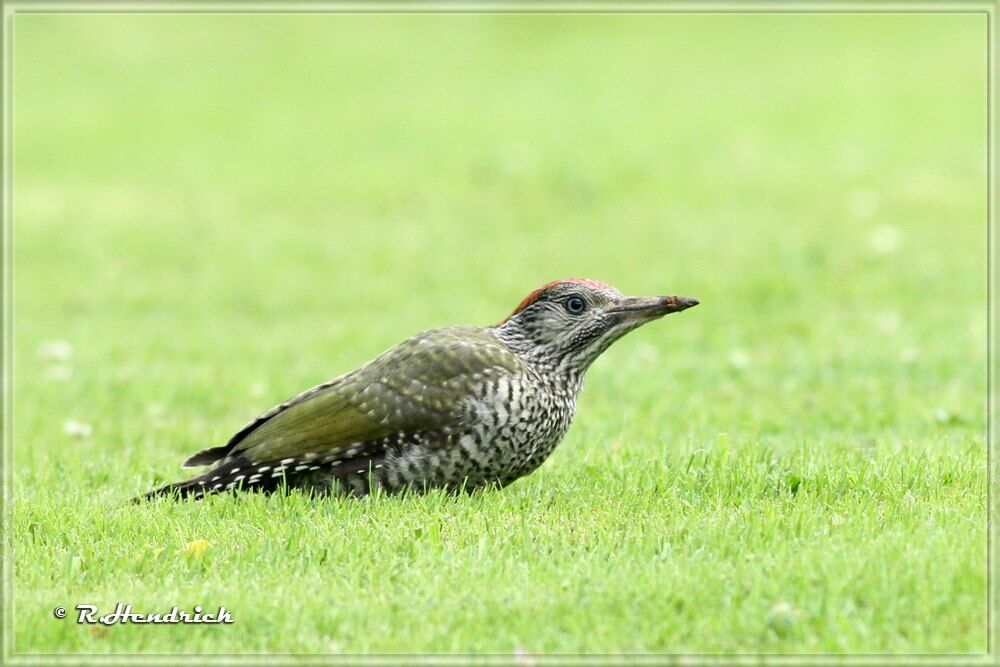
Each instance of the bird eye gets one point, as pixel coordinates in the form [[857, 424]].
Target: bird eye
[[575, 305]]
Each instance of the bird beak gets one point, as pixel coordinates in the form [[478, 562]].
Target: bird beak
[[651, 307]]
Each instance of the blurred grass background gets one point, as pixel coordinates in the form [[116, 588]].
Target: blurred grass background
[[213, 212]]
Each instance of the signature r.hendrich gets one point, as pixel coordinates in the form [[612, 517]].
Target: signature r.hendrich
[[123, 614]]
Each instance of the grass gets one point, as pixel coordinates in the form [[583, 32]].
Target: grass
[[215, 212]]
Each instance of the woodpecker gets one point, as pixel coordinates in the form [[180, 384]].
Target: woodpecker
[[458, 408]]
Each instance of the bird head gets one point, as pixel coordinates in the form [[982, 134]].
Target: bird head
[[567, 324]]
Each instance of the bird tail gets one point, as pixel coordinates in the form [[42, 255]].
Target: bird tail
[[238, 472], [208, 456], [184, 489], [229, 475]]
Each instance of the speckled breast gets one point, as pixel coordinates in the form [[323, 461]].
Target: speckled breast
[[514, 423]]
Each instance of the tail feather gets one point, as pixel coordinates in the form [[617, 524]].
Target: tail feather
[[207, 456], [235, 473], [184, 489], [229, 475]]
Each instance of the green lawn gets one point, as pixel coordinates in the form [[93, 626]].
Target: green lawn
[[213, 213]]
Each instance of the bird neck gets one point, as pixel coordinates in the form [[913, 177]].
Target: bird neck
[[554, 367]]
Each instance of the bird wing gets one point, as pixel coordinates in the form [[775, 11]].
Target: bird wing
[[421, 385]]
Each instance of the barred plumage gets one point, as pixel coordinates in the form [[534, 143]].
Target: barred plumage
[[456, 408]]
